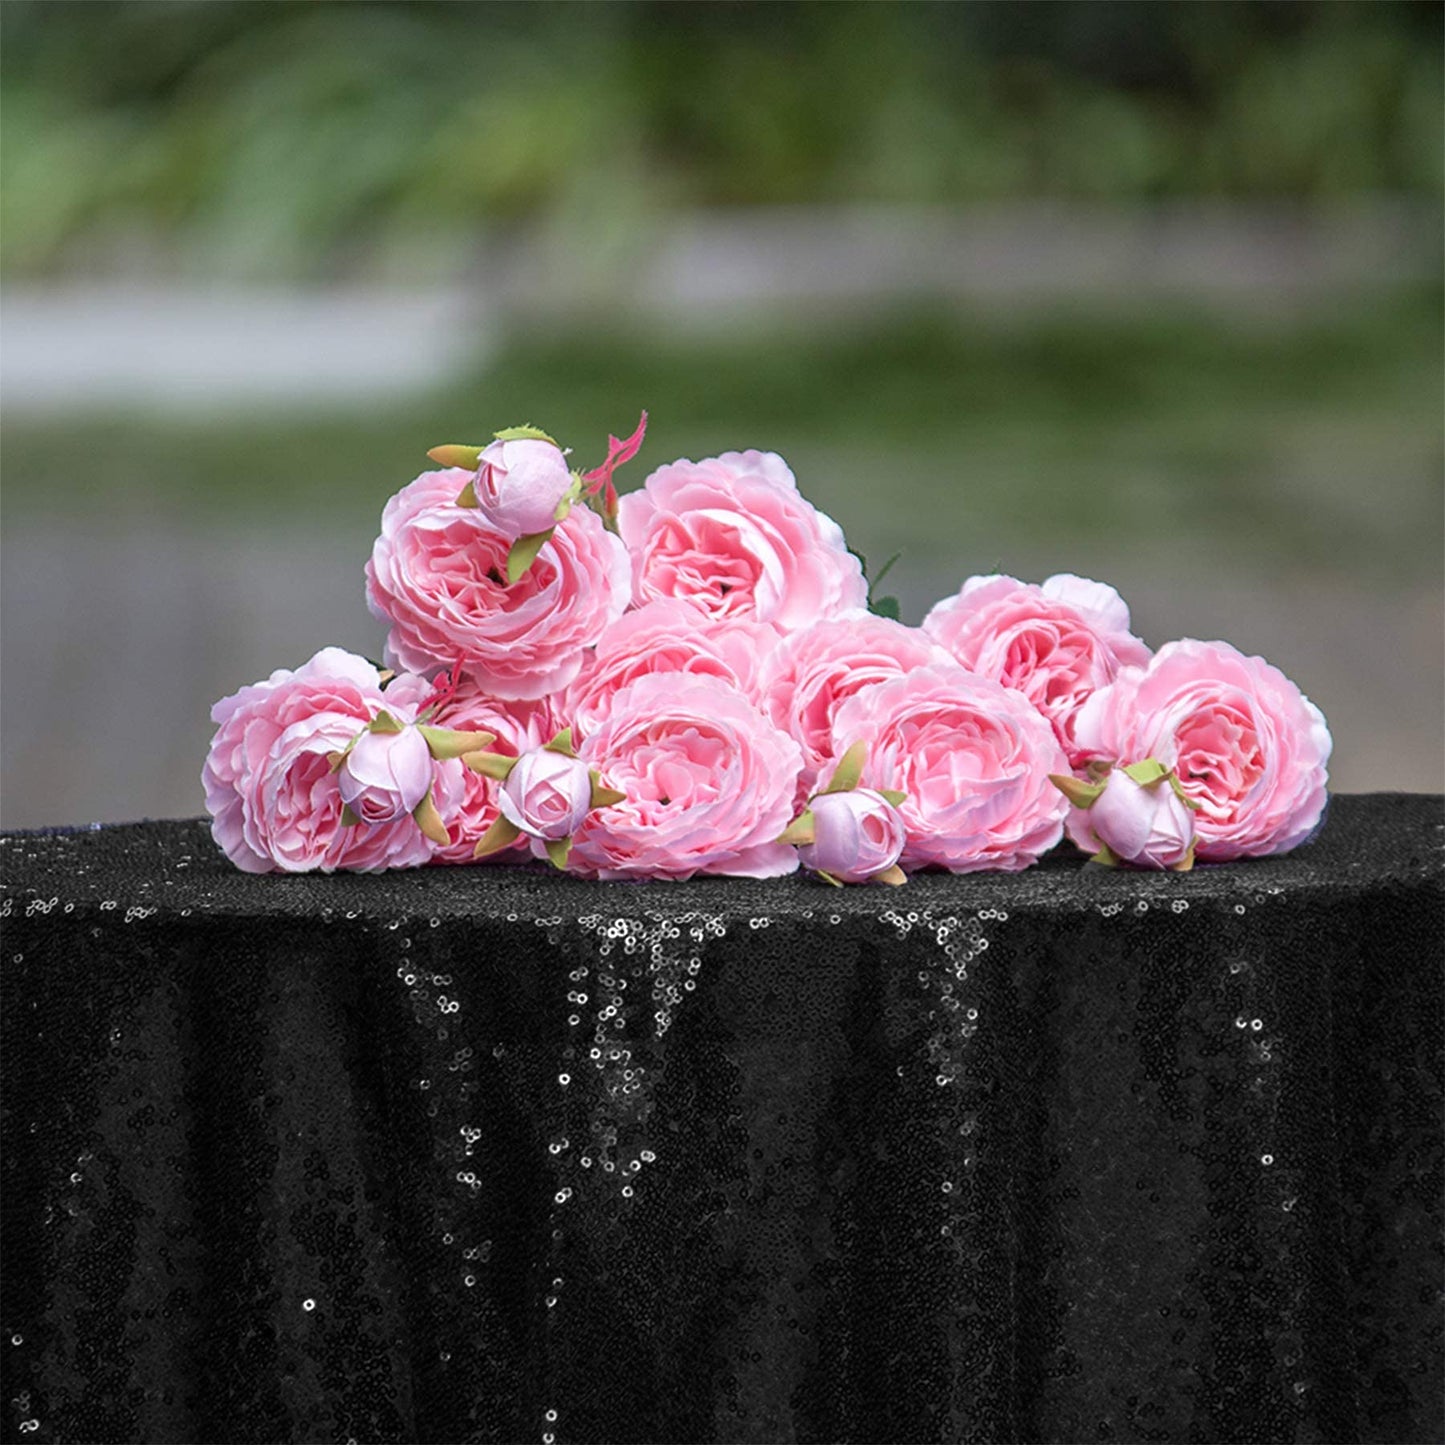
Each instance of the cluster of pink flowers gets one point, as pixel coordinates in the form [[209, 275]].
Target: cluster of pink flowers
[[687, 679]]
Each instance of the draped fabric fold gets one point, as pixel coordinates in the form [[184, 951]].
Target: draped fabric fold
[[499, 1155]]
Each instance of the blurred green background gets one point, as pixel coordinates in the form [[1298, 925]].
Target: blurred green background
[[1146, 291]]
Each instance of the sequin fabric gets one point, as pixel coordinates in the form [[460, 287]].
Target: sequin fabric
[[497, 1155]]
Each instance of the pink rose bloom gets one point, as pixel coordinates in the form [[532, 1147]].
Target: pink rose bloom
[[709, 784], [855, 835], [733, 535], [516, 728], [815, 671], [547, 794], [1057, 643], [437, 575], [1150, 826], [665, 636], [386, 775], [274, 801], [519, 484], [974, 759], [1246, 745]]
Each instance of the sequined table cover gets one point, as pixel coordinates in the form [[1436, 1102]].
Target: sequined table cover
[[497, 1155]]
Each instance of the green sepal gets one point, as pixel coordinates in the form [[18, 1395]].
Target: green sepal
[[457, 456], [557, 851], [349, 818], [1146, 772], [1076, 790], [892, 876], [1105, 856], [527, 433], [800, 830], [446, 743], [886, 607], [893, 796], [602, 795], [383, 722], [849, 770], [467, 497], [502, 834], [1186, 862], [336, 759], [561, 743], [563, 509], [1182, 795], [490, 765], [828, 878], [430, 821], [524, 552]]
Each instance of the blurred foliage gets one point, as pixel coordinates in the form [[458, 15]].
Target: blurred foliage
[[1316, 443], [290, 138]]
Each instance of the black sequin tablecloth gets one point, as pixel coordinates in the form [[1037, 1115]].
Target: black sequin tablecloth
[[497, 1155]]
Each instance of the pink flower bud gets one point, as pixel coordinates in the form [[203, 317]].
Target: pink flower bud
[[547, 794], [855, 835], [1148, 825], [519, 484], [386, 775]]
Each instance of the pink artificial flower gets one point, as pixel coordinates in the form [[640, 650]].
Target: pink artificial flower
[[385, 775], [733, 534], [813, 672], [1246, 745], [1146, 824], [437, 575], [1057, 643], [275, 801], [547, 794], [516, 727], [519, 484], [664, 636], [856, 835], [709, 784], [974, 759]]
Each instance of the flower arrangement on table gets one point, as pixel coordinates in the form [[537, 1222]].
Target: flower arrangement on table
[[688, 679]]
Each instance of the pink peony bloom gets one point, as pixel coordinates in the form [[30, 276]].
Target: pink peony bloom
[[547, 794], [517, 727], [437, 576], [974, 759], [1148, 825], [1057, 643], [733, 535], [856, 835], [519, 484], [1246, 745], [274, 800], [386, 775], [812, 673], [709, 785], [665, 636]]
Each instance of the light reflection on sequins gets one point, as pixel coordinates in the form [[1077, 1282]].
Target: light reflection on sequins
[[961, 941]]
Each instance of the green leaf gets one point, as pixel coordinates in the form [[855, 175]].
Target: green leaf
[[522, 434], [557, 850], [886, 607], [1076, 790], [456, 456], [383, 722], [449, 743], [524, 553], [430, 821], [884, 571], [500, 835], [849, 770], [561, 742], [1147, 771]]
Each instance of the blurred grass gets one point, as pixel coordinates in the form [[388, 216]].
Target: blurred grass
[[1312, 444]]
